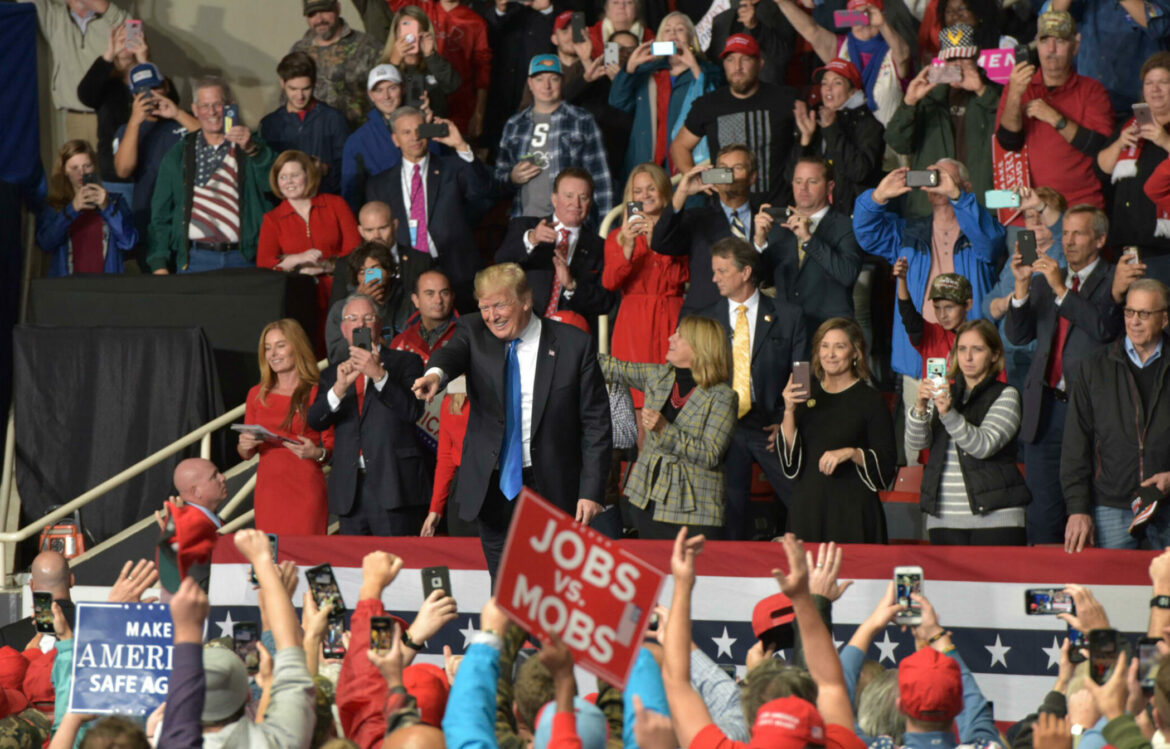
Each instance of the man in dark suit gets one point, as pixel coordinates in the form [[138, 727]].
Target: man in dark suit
[[379, 484], [766, 337], [683, 230], [541, 414], [562, 259], [1069, 315], [812, 256], [431, 196]]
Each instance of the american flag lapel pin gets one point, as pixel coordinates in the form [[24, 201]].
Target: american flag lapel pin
[[552, 352], [767, 318]]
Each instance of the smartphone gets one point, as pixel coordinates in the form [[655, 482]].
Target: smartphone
[[1141, 113], [1028, 53], [719, 175], [325, 590], [802, 376], [1047, 602], [531, 158], [434, 130], [613, 53], [90, 178], [922, 178], [936, 371], [1148, 662], [373, 275], [436, 578], [381, 633], [245, 636], [1131, 255], [944, 74], [778, 212], [272, 542], [1104, 646], [1001, 199], [412, 96], [634, 206], [133, 33], [231, 116], [907, 581], [1076, 642], [43, 611], [577, 23], [334, 645], [843, 18], [363, 339], [1026, 246], [663, 49]]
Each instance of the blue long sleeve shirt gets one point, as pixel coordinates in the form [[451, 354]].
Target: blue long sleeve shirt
[[470, 719], [646, 682]]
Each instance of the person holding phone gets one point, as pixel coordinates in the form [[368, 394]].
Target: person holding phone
[[412, 48], [82, 227], [290, 496], [836, 441], [972, 490], [1140, 213]]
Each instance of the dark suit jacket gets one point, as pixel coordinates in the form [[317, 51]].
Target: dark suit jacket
[[571, 438], [590, 298], [383, 432], [452, 184], [823, 287], [1094, 321], [777, 341], [692, 232]]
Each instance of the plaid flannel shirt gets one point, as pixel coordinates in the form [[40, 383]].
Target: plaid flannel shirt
[[580, 145]]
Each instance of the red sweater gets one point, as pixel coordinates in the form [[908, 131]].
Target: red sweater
[[361, 690], [332, 229], [452, 430]]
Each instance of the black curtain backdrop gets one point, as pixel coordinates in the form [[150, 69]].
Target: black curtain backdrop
[[91, 402]]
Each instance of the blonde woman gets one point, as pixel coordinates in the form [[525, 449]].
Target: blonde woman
[[290, 496], [689, 416], [411, 47]]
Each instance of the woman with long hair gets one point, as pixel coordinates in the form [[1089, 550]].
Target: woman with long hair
[[290, 496], [689, 415], [972, 490], [84, 228], [836, 441], [411, 47]]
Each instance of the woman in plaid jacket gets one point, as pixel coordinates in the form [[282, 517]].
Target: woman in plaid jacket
[[689, 415]]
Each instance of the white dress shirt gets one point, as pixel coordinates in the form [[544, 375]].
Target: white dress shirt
[[1083, 274], [574, 235], [335, 402]]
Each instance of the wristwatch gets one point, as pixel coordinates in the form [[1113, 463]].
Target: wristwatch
[[1160, 602], [1061, 124]]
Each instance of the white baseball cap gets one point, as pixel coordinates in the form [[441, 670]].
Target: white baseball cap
[[381, 73]]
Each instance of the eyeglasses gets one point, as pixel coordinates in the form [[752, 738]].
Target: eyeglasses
[[497, 307], [364, 318], [1142, 314]]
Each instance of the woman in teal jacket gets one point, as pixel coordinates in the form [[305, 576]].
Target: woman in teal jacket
[[645, 80]]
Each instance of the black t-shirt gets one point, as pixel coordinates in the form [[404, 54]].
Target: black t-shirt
[[763, 122]]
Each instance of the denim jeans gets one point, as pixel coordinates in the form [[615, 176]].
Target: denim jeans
[[201, 261], [1112, 528]]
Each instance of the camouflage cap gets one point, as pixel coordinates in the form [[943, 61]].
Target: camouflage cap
[[1057, 23], [28, 729], [951, 287]]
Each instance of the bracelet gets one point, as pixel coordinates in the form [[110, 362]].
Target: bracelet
[[409, 642], [939, 636], [323, 456]]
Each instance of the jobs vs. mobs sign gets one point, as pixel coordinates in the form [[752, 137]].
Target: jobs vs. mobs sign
[[122, 656], [562, 577]]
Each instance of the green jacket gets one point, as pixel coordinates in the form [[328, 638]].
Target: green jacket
[[174, 191], [924, 133]]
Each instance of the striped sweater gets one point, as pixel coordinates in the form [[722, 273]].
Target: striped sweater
[[998, 427]]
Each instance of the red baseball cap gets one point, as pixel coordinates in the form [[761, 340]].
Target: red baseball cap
[[787, 723], [13, 666], [570, 318], [843, 68], [744, 44], [563, 20], [930, 686], [773, 611], [859, 4], [427, 683], [38, 682]]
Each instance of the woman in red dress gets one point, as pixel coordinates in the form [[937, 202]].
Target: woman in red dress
[[652, 285], [290, 496]]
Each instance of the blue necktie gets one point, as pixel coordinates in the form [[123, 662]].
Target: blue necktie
[[511, 454]]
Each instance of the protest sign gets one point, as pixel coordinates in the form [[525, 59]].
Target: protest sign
[[121, 658], [562, 577]]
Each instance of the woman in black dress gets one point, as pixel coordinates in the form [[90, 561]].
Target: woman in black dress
[[837, 442]]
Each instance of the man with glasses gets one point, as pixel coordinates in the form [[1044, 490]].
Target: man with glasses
[[209, 198], [379, 485], [541, 416], [1069, 313], [1115, 466]]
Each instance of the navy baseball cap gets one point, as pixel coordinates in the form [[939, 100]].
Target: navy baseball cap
[[144, 77]]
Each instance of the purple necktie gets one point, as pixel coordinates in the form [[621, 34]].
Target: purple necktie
[[418, 211]]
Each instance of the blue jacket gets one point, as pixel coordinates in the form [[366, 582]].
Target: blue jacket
[[369, 151], [978, 248], [53, 234], [631, 93], [646, 682], [470, 719], [322, 135]]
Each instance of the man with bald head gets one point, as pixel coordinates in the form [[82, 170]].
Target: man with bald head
[[418, 736], [190, 526]]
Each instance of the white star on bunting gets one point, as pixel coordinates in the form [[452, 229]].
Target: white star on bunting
[[998, 652], [724, 643]]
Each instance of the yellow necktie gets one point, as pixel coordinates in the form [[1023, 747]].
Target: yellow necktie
[[741, 378]]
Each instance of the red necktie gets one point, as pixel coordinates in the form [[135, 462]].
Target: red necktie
[[562, 251], [1059, 338], [360, 384]]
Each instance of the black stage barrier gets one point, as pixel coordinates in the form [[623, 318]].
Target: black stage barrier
[[90, 402], [232, 307]]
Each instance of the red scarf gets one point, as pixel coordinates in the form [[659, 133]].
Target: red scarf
[[87, 242], [1126, 167]]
